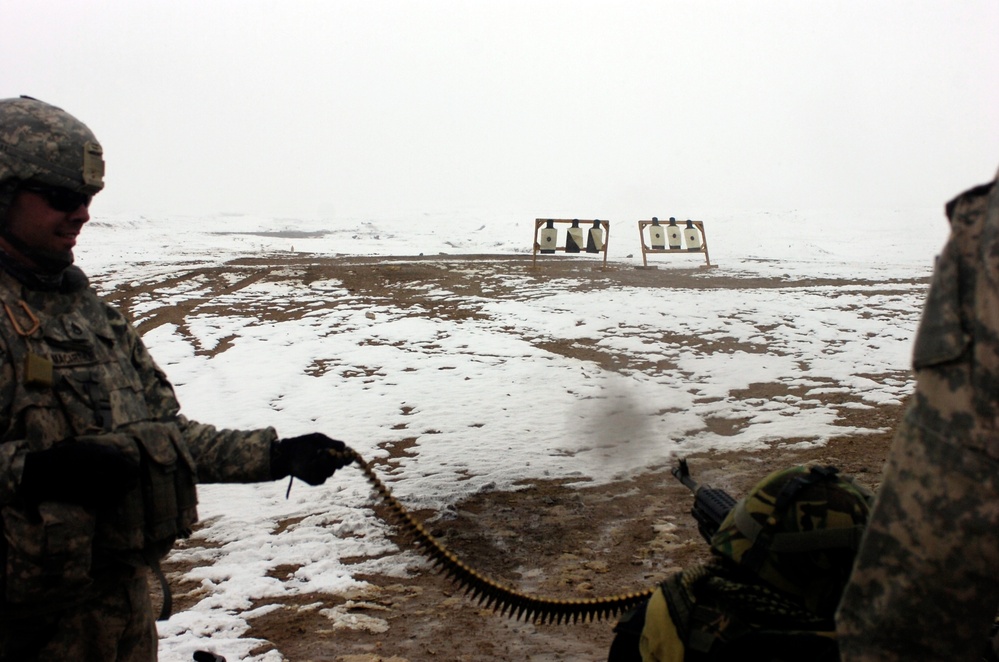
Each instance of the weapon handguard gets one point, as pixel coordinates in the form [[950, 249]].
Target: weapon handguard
[[492, 595], [711, 504]]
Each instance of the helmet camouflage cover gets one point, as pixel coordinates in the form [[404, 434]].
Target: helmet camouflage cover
[[798, 530], [46, 144]]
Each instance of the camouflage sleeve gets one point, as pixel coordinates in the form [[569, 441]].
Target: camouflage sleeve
[[229, 456], [222, 456], [11, 452]]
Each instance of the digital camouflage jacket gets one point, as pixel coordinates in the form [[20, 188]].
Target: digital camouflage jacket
[[72, 367], [924, 586], [956, 353]]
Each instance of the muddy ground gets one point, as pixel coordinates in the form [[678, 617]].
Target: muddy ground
[[549, 538]]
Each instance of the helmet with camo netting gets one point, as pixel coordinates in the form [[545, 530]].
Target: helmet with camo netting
[[798, 530], [45, 144]]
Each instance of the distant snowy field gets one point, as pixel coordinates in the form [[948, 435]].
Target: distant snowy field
[[864, 244], [501, 409]]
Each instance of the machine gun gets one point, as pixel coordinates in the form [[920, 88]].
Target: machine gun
[[711, 504]]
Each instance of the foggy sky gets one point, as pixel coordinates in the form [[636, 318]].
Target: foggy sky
[[616, 110]]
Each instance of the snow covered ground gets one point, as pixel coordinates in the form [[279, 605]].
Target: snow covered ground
[[502, 410]]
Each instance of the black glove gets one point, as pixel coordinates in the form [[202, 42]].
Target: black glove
[[78, 472], [312, 457], [207, 656]]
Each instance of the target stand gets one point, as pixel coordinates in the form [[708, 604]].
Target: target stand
[[582, 236], [672, 237]]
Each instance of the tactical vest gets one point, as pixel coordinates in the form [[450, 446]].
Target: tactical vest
[[722, 615], [75, 381]]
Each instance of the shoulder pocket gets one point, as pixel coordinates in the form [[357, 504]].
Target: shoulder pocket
[[942, 336]]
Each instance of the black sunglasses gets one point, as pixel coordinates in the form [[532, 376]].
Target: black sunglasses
[[59, 198]]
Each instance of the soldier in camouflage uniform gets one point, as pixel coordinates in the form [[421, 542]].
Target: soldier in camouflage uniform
[[781, 559], [97, 466], [926, 585]]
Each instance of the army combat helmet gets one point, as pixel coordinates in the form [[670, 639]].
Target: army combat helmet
[[798, 530], [46, 145]]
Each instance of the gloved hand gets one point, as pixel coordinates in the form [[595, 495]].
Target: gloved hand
[[207, 656], [308, 457], [78, 472]]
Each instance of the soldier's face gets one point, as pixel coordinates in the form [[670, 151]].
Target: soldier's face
[[42, 228]]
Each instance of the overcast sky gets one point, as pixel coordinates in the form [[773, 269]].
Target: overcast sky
[[617, 110]]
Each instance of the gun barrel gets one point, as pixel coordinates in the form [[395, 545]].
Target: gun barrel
[[682, 473], [711, 505]]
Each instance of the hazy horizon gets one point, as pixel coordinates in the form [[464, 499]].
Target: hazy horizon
[[541, 108]]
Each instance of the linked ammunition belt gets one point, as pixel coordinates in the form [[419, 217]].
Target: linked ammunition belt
[[486, 592]]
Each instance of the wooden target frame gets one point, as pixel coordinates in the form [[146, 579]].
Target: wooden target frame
[[584, 224], [683, 250]]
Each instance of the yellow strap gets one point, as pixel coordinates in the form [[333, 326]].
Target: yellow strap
[[660, 641]]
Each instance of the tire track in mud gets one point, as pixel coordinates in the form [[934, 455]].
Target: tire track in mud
[[127, 297]]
